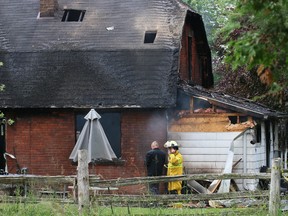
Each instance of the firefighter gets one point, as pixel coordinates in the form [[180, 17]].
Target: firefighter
[[175, 166]]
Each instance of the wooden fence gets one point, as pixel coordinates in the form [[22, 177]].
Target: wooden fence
[[81, 184]]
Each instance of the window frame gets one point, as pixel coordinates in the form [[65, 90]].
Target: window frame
[[116, 145], [67, 14]]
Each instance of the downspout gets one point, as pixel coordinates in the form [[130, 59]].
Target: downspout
[[276, 141], [263, 142], [253, 141], [271, 144], [286, 150], [245, 158], [285, 156], [245, 141]]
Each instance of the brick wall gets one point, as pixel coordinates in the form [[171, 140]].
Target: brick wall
[[43, 140], [138, 129]]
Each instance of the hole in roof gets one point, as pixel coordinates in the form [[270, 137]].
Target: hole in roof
[[150, 36], [71, 15]]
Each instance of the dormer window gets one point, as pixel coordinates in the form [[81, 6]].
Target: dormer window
[[150, 36], [71, 15]]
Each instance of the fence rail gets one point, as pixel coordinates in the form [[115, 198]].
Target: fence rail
[[94, 181], [146, 180]]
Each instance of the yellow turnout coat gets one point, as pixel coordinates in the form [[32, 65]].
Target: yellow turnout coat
[[175, 167]]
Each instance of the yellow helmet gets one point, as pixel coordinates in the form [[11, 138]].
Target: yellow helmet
[[171, 143]]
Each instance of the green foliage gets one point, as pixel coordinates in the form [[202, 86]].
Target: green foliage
[[2, 117], [243, 35], [257, 34], [214, 13], [2, 87]]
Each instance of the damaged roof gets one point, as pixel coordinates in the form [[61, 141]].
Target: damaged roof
[[101, 61], [237, 104]]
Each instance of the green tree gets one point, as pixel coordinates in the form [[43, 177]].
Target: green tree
[[248, 38], [257, 34], [256, 38], [2, 116], [214, 13]]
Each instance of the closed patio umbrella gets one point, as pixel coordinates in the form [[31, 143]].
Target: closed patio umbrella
[[93, 138]]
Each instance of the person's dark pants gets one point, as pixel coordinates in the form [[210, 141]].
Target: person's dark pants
[[173, 192], [154, 188]]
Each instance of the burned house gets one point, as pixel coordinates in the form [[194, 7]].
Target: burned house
[[215, 129], [122, 58]]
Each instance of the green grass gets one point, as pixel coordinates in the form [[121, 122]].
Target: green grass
[[55, 209]]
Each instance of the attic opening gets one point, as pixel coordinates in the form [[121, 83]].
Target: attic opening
[[150, 36], [71, 15]]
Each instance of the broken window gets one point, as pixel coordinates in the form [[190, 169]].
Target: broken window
[[150, 36], [71, 15], [237, 119], [233, 119]]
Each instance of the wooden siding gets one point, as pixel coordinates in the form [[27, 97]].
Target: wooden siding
[[215, 122]]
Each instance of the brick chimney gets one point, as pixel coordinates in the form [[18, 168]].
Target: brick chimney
[[48, 7]]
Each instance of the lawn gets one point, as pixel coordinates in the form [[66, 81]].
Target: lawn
[[52, 208]]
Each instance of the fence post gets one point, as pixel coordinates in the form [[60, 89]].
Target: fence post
[[83, 181], [274, 199]]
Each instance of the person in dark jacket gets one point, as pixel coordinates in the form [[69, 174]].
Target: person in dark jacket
[[155, 161]]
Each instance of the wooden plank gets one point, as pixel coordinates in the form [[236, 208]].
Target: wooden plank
[[103, 188], [213, 186], [225, 184], [96, 190], [194, 185], [144, 180], [21, 179], [54, 193], [180, 197]]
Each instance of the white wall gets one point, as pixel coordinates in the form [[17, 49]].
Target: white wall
[[206, 152]]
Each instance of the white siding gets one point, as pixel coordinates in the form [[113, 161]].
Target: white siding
[[206, 152]]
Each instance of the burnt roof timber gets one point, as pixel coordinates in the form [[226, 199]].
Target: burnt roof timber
[[234, 103]]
